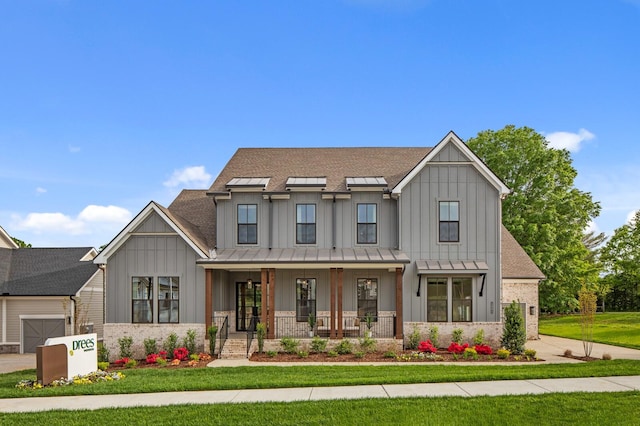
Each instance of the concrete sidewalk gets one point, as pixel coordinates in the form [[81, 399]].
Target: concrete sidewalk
[[461, 389]]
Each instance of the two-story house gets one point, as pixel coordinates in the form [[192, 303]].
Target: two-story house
[[399, 238]]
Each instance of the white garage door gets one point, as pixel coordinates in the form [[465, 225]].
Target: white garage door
[[36, 331]]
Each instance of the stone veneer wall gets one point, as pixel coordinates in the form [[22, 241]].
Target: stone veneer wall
[[492, 331], [139, 332], [524, 291]]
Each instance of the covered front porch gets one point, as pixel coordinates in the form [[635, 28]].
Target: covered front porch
[[327, 293]]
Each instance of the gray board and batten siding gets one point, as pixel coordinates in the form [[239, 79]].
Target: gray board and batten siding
[[154, 249], [277, 220], [455, 179]]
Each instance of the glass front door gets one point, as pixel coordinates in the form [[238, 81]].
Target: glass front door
[[248, 304]]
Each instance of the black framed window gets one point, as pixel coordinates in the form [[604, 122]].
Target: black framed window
[[367, 224], [436, 299], [247, 224], [449, 220], [461, 299], [142, 299], [368, 298], [168, 299], [305, 298], [305, 223]]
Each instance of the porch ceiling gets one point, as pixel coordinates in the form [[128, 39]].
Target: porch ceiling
[[293, 258], [451, 266]]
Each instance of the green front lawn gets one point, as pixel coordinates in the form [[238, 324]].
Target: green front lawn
[[620, 408], [261, 377], [613, 328]]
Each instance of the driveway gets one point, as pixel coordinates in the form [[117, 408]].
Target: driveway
[[16, 362], [552, 348]]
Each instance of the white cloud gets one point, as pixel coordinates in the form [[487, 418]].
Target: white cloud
[[105, 214], [91, 220], [568, 140], [631, 217], [592, 227], [74, 149], [194, 177], [40, 190]]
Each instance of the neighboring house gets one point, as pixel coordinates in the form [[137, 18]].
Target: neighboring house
[[409, 237], [47, 292]]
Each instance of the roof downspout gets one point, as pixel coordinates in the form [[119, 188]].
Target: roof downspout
[[334, 215], [72, 317], [270, 222], [398, 213]]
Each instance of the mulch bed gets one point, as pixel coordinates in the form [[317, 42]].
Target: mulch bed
[[404, 356]]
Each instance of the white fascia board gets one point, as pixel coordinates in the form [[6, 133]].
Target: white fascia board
[[7, 238], [451, 137]]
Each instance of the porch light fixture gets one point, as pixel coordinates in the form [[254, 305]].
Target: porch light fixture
[[249, 283], [304, 283], [368, 282]]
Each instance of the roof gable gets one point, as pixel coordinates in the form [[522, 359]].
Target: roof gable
[[6, 241], [187, 231], [442, 152]]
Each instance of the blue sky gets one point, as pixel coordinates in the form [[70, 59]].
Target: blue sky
[[107, 105]]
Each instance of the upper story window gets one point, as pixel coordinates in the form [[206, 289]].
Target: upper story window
[[367, 224], [247, 224], [305, 223], [449, 221]]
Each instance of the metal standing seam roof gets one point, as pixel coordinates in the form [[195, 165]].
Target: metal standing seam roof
[[307, 256], [451, 266]]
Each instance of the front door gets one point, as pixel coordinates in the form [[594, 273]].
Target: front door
[[248, 304]]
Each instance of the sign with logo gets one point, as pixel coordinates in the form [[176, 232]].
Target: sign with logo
[[82, 352]]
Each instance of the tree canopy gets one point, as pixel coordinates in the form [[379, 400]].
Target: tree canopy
[[545, 212], [621, 260], [21, 243]]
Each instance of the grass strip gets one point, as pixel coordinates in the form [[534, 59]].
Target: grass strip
[[264, 377], [619, 408], [612, 328]]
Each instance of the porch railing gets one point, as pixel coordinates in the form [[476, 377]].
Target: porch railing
[[352, 326], [223, 331], [251, 332]]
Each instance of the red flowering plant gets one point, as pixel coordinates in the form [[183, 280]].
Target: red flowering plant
[[163, 354], [427, 346], [457, 348], [483, 349], [152, 358], [121, 361], [181, 354]]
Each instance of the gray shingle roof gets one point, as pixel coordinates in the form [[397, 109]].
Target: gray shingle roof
[[516, 263], [45, 271], [279, 164], [195, 213]]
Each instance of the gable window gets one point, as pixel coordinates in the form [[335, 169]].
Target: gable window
[[247, 224], [367, 224], [437, 299], [305, 298], [305, 223], [168, 299], [367, 297], [449, 221], [142, 299]]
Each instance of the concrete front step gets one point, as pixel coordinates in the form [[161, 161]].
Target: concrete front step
[[234, 349]]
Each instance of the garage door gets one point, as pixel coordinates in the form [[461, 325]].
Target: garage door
[[36, 331]]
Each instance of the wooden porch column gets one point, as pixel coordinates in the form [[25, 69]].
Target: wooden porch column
[[208, 298], [399, 333], [271, 333], [332, 287], [264, 301], [340, 270]]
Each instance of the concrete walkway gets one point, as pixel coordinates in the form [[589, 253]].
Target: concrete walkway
[[462, 389]]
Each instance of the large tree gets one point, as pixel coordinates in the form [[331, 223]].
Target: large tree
[[621, 259], [545, 212]]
